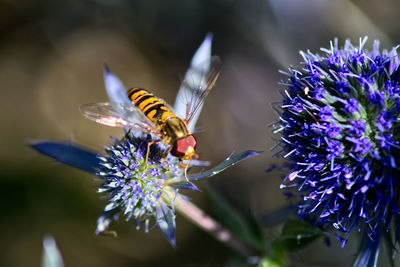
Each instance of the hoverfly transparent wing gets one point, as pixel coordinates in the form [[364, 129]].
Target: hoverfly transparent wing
[[197, 85], [127, 116]]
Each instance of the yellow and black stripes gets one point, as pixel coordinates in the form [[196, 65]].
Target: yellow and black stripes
[[153, 107]]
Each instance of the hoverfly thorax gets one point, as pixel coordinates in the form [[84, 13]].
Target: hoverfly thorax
[[173, 129], [177, 134]]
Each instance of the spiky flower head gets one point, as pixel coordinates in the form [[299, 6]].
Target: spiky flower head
[[141, 191], [341, 134], [144, 191], [132, 187]]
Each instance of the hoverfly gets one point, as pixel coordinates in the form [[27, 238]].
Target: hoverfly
[[150, 114]]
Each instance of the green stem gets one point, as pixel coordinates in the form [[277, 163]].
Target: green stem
[[208, 224]]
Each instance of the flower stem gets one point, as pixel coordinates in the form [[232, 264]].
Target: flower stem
[[208, 224]]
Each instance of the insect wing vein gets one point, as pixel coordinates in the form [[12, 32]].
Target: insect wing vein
[[127, 116], [198, 84]]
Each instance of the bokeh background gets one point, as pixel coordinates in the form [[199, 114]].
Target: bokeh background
[[51, 58]]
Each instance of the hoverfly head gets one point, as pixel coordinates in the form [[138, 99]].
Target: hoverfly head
[[184, 148]]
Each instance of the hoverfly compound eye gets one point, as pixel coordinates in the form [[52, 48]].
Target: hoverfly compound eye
[[184, 146], [191, 140]]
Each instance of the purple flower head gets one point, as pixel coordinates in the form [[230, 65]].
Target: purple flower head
[[351, 105], [344, 147], [342, 85], [139, 177], [362, 145], [334, 149], [319, 92], [358, 57], [385, 121], [357, 127], [130, 188], [297, 106], [326, 113], [332, 130]]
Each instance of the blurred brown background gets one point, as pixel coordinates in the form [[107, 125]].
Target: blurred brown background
[[51, 59]]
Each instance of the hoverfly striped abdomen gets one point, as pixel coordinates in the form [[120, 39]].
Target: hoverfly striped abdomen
[[153, 107]]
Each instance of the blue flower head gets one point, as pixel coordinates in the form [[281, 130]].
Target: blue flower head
[[142, 190], [341, 135], [132, 187]]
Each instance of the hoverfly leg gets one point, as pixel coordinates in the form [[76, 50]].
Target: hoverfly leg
[[164, 156], [127, 134], [181, 164], [147, 155], [186, 167]]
